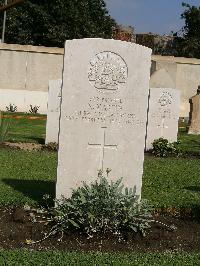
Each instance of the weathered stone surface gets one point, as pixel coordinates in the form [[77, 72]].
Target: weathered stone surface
[[103, 112], [53, 113], [163, 115], [194, 127], [161, 79]]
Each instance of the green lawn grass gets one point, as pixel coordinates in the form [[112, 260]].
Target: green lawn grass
[[26, 130], [172, 182], [189, 143], [25, 258], [27, 176], [167, 182]]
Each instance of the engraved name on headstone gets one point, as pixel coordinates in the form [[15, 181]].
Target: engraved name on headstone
[[103, 112], [53, 113], [163, 115]]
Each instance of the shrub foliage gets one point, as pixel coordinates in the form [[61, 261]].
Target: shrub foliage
[[101, 207], [51, 23], [11, 108], [163, 148]]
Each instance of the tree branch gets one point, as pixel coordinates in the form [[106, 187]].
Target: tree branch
[[12, 4]]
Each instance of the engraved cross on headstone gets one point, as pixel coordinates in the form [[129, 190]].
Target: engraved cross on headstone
[[103, 145], [162, 126]]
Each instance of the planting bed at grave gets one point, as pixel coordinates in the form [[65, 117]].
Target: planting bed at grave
[[171, 184], [15, 221]]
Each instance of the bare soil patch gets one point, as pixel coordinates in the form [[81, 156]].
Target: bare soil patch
[[24, 146], [16, 227], [25, 117]]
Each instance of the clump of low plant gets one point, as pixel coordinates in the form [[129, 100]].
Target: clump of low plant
[[4, 127], [34, 109], [11, 108], [163, 148], [97, 208], [100, 207]]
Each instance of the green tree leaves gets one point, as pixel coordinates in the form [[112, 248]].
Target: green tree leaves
[[188, 45], [50, 23]]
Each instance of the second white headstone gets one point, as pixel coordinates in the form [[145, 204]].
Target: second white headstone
[[163, 115], [53, 112]]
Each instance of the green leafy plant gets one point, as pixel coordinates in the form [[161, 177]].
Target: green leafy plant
[[102, 206], [11, 108], [163, 148], [34, 109], [4, 127]]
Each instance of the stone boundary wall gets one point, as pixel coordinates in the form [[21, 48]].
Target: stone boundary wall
[[31, 49], [178, 60], [29, 68], [23, 99], [183, 72], [25, 67]]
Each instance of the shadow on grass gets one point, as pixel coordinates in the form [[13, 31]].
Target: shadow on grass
[[194, 212], [193, 188], [34, 139], [185, 212], [25, 139], [38, 140], [33, 189]]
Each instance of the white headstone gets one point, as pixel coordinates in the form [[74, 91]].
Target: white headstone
[[103, 112], [53, 113], [163, 115]]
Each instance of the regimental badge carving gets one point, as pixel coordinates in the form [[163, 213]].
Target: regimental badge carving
[[108, 71], [165, 99]]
